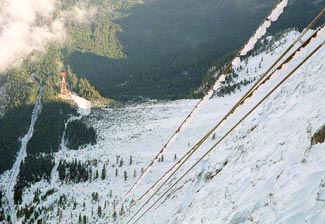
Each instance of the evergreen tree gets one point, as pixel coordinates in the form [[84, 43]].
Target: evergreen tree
[[122, 210], [99, 211], [104, 173], [125, 175], [121, 162]]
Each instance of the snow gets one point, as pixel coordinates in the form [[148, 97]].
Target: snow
[[249, 46], [83, 104], [266, 171], [273, 175], [261, 31]]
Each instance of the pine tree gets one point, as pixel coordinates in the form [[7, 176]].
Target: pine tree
[[114, 215], [121, 162], [122, 210], [131, 160], [99, 211], [104, 173], [79, 220], [116, 172], [125, 175], [175, 157], [84, 219], [134, 173]]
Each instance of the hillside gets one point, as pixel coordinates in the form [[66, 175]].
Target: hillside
[[168, 46], [268, 170]]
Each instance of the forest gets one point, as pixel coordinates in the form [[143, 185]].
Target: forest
[[21, 96], [164, 52]]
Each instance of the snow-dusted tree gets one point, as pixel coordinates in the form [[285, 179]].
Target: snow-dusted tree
[[99, 211], [121, 162], [103, 173]]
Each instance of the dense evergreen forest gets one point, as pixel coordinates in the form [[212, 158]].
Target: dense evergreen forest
[[33, 169], [165, 47], [79, 134], [21, 96]]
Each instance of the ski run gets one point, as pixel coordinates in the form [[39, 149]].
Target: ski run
[[13, 173]]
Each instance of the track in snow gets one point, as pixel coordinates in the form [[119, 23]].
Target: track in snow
[[21, 155], [63, 151], [84, 107]]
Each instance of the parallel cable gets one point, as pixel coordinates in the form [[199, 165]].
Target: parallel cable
[[243, 51], [241, 120], [189, 153], [256, 85]]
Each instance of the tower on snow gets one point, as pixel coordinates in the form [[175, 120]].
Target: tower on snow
[[64, 91]]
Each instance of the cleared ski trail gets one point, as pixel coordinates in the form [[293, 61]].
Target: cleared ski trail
[[21, 155]]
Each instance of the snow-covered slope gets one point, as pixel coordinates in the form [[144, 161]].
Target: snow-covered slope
[[266, 171]]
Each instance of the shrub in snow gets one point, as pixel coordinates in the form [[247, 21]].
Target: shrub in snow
[[319, 136]]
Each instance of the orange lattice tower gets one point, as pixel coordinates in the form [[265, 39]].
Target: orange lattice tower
[[64, 90]]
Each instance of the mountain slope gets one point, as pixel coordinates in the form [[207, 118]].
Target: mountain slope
[[269, 170], [273, 172], [169, 45]]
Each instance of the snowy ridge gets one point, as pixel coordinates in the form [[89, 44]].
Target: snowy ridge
[[261, 31], [166, 177], [215, 202]]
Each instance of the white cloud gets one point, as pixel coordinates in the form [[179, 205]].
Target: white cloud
[[21, 31], [81, 13]]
